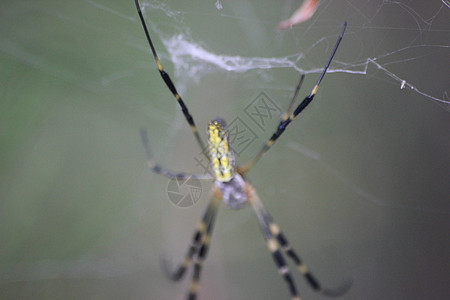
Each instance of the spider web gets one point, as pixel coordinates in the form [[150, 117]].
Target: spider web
[[419, 31], [359, 182], [396, 45], [398, 48]]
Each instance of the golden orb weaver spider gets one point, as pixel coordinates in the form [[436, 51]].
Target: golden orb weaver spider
[[231, 186]]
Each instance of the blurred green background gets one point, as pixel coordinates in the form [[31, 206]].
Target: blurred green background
[[359, 182]]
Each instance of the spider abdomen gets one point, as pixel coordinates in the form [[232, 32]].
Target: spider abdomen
[[221, 154]]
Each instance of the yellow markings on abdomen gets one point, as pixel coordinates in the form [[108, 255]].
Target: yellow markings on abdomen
[[222, 157]]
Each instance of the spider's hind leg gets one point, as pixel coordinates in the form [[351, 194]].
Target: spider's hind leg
[[198, 249], [276, 239], [273, 245]]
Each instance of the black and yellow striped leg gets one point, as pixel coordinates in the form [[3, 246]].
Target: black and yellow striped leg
[[193, 249], [286, 247], [204, 246], [165, 172], [272, 245], [169, 82], [288, 116], [203, 229], [294, 97], [245, 168]]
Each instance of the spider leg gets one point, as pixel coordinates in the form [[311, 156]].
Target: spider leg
[[193, 249], [204, 246], [288, 116], [170, 84], [199, 247], [284, 243], [163, 171], [272, 244], [297, 89]]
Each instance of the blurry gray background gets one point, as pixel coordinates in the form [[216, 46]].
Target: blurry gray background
[[359, 182]]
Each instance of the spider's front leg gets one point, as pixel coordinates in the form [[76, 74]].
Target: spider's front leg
[[170, 85], [289, 115]]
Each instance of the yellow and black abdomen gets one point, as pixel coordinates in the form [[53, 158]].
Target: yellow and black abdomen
[[222, 156]]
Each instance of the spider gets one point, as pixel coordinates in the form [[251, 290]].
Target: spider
[[231, 185]]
